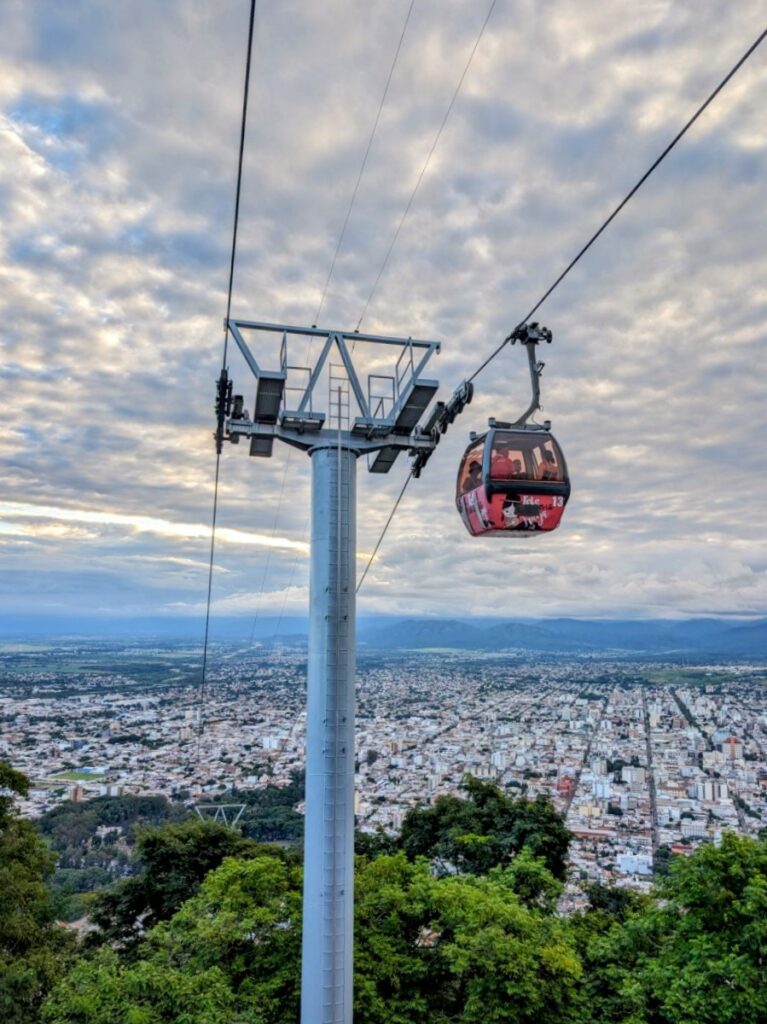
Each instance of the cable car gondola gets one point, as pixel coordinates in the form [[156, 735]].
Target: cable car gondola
[[513, 480]]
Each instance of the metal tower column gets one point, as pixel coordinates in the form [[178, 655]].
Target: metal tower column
[[327, 963], [378, 417]]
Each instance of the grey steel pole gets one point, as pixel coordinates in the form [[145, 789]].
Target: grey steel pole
[[328, 924], [365, 425]]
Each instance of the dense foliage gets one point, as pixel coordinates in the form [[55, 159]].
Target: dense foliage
[[461, 948], [270, 815], [33, 950], [173, 862], [455, 924], [696, 955], [231, 952], [485, 830], [440, 949], [94, 841]]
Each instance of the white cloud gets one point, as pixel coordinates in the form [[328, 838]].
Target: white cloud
[[139, 524], [118, 134]]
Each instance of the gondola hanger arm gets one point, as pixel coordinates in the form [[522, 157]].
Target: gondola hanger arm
[[531, 335]]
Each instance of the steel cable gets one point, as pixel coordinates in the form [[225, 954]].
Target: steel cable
[[339, 243], [425, 167], [363, 165], [400, 496], [235, 223], [623, 202], [629, 195]]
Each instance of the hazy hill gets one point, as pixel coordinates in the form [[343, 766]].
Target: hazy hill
[[701, 637], [687, 638], [423, 633], [751, 638]]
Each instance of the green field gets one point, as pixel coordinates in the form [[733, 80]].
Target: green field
[[697, 676], [79, 776]]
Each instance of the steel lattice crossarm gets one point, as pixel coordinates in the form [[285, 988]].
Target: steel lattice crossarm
[[389, 405], [227, 814]]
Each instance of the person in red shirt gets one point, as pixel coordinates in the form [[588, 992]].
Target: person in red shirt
[[502, 466]]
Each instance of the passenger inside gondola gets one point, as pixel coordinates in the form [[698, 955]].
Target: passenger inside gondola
[[474, 477], [503, 466], [547, 467]]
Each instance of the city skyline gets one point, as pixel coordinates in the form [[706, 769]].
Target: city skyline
[[642, 759]]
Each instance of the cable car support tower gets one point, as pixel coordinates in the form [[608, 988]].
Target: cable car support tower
[[389, 409]]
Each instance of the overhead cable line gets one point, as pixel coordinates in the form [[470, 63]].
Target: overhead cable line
[[629, 195], [235, 223], [425, 167], [622, 203], [291, 577], [363, 165], [269, 554], [400, 496], [317, 314]]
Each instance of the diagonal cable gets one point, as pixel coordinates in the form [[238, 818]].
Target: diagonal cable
[[236, 218], [735, 68], [339, 243], [269, 552], [656, 163], [363, 165], [425, 167], [400, 496]]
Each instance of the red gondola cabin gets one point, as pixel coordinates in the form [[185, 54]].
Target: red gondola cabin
[[512, 480]]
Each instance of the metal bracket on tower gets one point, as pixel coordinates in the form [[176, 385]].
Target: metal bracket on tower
[[284, 407], [443, 414]]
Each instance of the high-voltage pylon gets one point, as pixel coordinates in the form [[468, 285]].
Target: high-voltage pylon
[[380, 420]]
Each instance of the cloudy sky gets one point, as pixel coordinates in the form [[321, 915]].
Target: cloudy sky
[[119, 125]]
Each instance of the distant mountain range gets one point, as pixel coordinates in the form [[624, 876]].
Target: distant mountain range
[[680, 638], [690, 637]]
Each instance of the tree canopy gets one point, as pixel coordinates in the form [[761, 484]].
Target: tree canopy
[[696, 955], [455, 923], [173, 861], [460, 948], [33, 950], [486, 829], [440, 949]]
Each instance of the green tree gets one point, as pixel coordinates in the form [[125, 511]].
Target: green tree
[[33, 950], [102, 990], [438, 949], [613, 901], [458, 949], [661, 860], [485, 830], [231, 952], [174, 860], [247, 918], [373, 844], [270, 815], [532, 882], [698, 955]]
